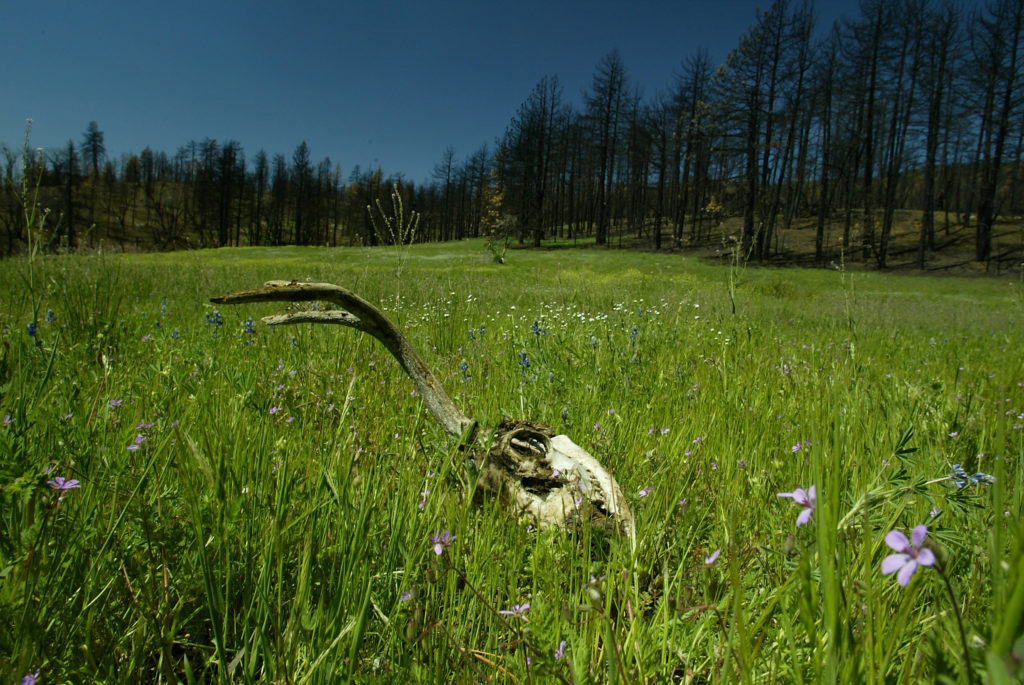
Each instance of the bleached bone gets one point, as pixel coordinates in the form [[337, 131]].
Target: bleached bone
[[535, 473]]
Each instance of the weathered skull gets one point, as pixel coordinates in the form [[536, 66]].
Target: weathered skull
[[552, 480]]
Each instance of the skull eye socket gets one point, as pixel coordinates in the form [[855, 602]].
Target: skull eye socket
[[529, 443]]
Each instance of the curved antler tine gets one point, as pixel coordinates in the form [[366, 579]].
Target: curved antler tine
[[363, 316], [335, 316]]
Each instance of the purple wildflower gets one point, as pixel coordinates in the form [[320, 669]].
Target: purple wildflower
[[560, 652], [442, 541], [646, 491], [710, 560], [423, 499], [806, 499], [61, 485], [517, 610], [30, 678], [274, 410], [909, 555], [583, 489]]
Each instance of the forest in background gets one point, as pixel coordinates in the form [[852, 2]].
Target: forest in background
[[911, 105]]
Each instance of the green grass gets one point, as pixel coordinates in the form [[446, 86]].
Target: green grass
[[269, 520]]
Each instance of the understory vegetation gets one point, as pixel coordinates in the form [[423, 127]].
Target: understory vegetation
[[189, 495]]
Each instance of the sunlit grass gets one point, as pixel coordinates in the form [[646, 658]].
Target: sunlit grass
[[257, 504]]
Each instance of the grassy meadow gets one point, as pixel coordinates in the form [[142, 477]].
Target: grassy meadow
[[257, 504]]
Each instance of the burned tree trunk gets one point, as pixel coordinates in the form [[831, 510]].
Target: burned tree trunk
[[534, 473]]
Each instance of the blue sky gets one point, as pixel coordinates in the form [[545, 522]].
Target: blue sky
[[369, 83]]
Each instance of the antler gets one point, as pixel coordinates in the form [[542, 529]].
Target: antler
[[362, 316], [535, 472]]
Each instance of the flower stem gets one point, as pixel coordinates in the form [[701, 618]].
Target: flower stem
[[959, 623]]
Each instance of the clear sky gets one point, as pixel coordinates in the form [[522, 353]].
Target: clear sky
[[368, 83]]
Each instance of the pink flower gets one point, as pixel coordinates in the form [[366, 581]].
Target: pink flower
[[909, 555], [806, 499], [517, 610], [61, 485], [442, 541]]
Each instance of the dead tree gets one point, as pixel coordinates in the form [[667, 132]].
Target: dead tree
[[533, 472]]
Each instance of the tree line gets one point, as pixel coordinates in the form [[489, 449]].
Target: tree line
[[910, 104]]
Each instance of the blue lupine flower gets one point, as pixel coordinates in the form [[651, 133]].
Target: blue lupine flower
[[960, 477], [983, 478]]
